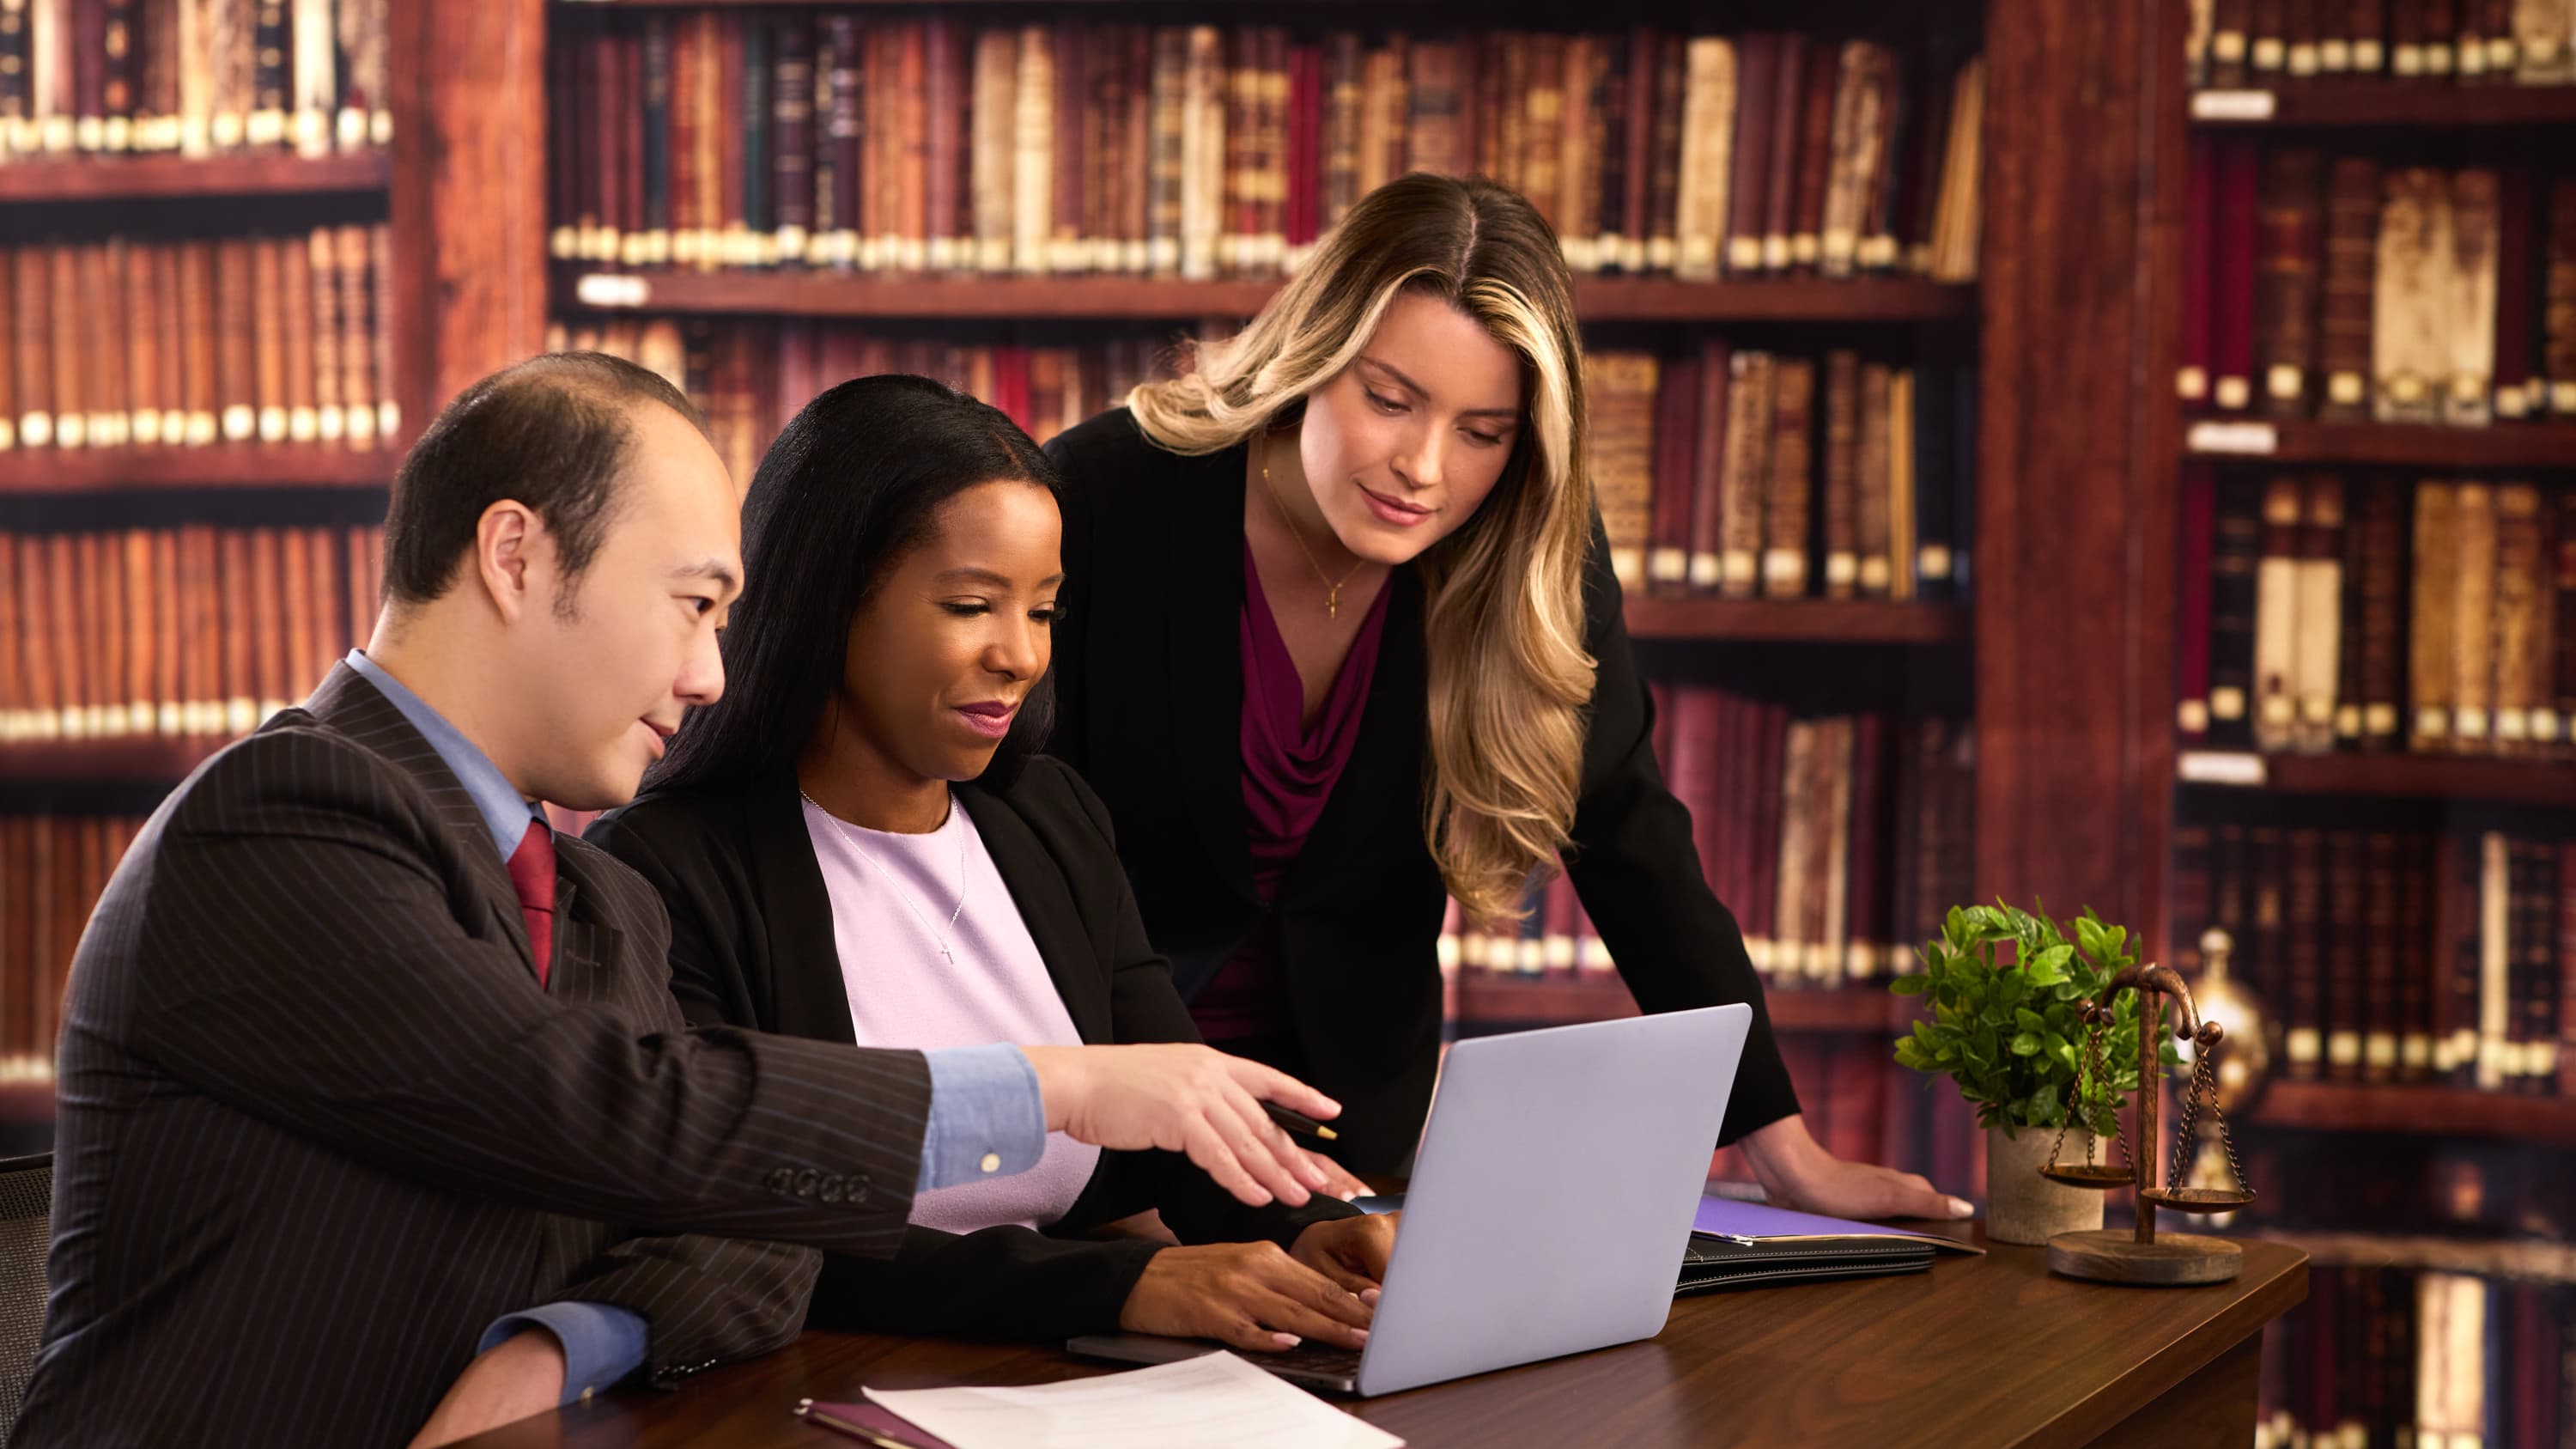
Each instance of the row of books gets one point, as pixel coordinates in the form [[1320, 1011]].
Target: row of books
[[129, 342], [2381, 1356], [749, 378], [2341, 289], [2322, 614], [2387, 955], [193, 76], [1741, 473], [1835, 841], [2235, 43], [717, 138], [53, 868], [193, 631]]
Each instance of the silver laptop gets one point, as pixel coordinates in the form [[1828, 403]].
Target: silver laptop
[[1550, 1202]]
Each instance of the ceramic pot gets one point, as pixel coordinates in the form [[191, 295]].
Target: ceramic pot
[[2021, 1205]]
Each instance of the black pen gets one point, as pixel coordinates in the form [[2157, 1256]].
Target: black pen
[[1299, 1123]]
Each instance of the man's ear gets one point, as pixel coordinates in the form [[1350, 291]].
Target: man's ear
[[507, 539]]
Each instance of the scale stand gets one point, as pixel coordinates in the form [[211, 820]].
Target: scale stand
[[2141, 1257]]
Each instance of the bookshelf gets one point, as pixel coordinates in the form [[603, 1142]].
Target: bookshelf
[[215, 466], [117, 760], [2395, 776], [2540, 1122], [136, 178], [1493, 999], [2379, 105], [826, 293], [1818, 621], [2543, 445]]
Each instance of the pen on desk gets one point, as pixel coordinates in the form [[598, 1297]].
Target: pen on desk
[[813, 1413], [1299, 1122]]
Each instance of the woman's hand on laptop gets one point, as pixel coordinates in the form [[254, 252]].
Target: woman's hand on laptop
[[1183, 1097], [1797, 1172], [1350, 1251], [1251, 1296]]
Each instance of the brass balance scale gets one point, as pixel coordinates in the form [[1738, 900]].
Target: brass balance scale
[[2142, 1256]]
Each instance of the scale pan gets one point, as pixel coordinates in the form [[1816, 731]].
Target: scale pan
[[2101, 1176], [2197, 1199]]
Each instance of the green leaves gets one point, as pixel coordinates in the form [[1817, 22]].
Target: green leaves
[[2006, 988]]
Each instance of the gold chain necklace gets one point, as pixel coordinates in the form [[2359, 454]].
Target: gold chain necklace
[[1333, 599]]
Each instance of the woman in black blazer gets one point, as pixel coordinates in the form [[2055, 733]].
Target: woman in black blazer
[[885, 666], [1386, 465]]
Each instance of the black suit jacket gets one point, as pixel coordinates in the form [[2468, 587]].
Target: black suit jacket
[[319, 1126], [1149, 689], [752, 945]]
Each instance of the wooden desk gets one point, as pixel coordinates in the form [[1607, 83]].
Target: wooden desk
[[1982, 1351]]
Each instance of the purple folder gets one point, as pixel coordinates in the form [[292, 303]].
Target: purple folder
[[1721, 1217]]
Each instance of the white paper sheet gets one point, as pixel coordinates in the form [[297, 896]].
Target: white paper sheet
[[1213, 1399]]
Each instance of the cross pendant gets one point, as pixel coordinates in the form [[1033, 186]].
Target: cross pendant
[[951, 956]]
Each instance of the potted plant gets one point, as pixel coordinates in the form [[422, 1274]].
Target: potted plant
[[2008, 991]]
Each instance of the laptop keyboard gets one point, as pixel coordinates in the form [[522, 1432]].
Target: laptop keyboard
[[1323, 1359]]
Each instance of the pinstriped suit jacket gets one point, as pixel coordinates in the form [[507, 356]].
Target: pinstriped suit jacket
[[319, 1125]]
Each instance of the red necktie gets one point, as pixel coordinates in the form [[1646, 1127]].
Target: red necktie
[[532, 874]]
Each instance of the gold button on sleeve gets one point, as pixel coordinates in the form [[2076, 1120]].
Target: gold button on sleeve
[[992, 1162]]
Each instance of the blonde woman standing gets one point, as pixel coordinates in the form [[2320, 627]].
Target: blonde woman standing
[[1340, 633]]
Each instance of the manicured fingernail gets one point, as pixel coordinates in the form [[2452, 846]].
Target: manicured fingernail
[[1286, 1340], [1959, 1208], [1369, 1296]]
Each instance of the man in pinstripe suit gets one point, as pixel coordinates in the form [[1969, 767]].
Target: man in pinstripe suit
[[378, 1123]]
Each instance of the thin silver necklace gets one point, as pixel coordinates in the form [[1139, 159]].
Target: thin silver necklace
[[892, 879]]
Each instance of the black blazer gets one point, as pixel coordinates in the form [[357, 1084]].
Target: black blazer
[[319, 1126], [1149, 689], [752, 945]]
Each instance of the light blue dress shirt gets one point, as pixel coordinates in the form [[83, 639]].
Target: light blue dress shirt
[[985, 1107]]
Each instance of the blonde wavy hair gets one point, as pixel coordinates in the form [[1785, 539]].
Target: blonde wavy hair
[[1510, 680]]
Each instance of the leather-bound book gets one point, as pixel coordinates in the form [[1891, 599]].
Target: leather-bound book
[[1787, 494], [2235, 557], [1577, 174], [2565, 946], [94, 599], [1616, 100], [1752, 400], [31, 341], [2469, 42], [2410, 352], [1936, 458], [267, 622], [1860, 107], [236, 679], [2276, 616], [2350, 607], [2431, 687], [357, 334], [2317, 652], [2383, 956], [201, 345], [2562, 630], [1884, 192], [40, 676], [2468, 318], [2547, 33], [1542, 125], [2268, 41], [2344, 986], [1635, 126], [379, 273], [791, 131], [1345, 105], [2304, 28], [2265, 940], [68, 348], [294, 304], [103, 363], [1622, 446], [2199, 266], [2440, 36], [1867, 937], [333, 632], [168, 388], [2517, 293], [2422, 960], [1873, 506], [295, 613], [266, 123], [2229, 42], [2381, 525], [1840, 511], [322, 319], [1901, 506], [168, 638], [995, 149], [2533, 1005], [366, 51], [237, 339], [2558, 318], [2521, 617], [2492, 1062], [2472, 654], [1812, 167], [756, 243], [2504, 48], [564, 159], [1202, 153], [1707, 158], [1784, 130], [837, 123], [1800, 816], [1709, 456], [949, 60], [1667, 146], [2406, 25], [2235, 251], [1066, 248], [313, 86], [2351, 265], [2198, 497], [1668, 536], [116, 56]]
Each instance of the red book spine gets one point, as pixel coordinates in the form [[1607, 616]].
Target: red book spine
[[2517, 252], [1756, 76], [2199, 266], [2191, 624], [1865, 930], [1668, 542], [2232, 324]]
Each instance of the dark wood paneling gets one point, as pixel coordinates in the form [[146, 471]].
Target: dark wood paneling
[[801, 293], [2075, 544], [135, 177], [223, 465], [1978, 1351], [2444, 1111]]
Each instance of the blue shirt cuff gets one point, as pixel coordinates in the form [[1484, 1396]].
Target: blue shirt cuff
[[601, 1343], [986, 1115]]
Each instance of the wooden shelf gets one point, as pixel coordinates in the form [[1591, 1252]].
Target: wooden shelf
[[117, 760], [255, 174], [1847, 621], [2442, 777], [26, 1102], [2393, 445], [2446, 1111], [799, 293], [2363, 104], [1493, 996], [219, 465]]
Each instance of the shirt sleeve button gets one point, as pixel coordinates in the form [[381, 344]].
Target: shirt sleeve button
[[992, 1162]]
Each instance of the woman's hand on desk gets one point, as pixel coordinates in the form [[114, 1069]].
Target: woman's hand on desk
[[1350, 1251], [1250, 1296], [1797, 1172], [1338, 1180], [1183, 1097]]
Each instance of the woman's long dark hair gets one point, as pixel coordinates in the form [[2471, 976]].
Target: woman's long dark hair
[[847, 489]]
